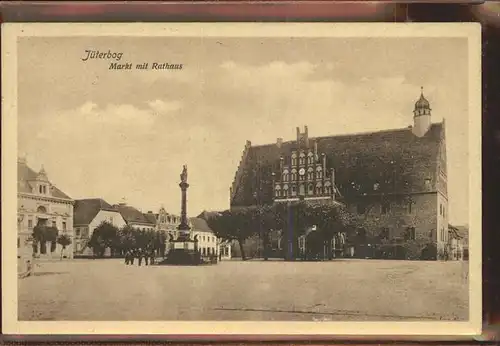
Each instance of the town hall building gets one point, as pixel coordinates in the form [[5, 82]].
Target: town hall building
[[394, 183]]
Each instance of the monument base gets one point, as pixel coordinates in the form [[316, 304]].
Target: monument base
[[182, 257]]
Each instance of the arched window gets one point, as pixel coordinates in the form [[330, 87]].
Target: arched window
[[319, 172], [328, 188], [310, 158], [285, 190], [319, 189], [310, 174], [302, 158], [294, 174], [277, 190], [285, 175], [294, 159], [41, 209], [294, 190], [310, 189]]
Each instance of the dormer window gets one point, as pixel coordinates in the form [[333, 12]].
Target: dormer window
[[376, 186], [42, 189]]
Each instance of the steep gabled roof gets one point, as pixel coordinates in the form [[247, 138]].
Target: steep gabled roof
[[358, 159], [85, 210], [152, 218], [199, 224], [132, 215], [27, 176]]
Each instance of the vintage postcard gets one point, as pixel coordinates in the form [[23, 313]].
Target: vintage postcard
[[241, 178]]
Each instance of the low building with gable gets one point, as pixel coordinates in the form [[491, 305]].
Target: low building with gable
[[88, 215], [135, 218], [393, 181]]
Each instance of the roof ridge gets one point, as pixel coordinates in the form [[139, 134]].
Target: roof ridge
[[346, 135]]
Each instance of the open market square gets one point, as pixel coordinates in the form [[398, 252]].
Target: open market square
[[340, 290]]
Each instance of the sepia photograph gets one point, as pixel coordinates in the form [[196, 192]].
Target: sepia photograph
[[301, 175]]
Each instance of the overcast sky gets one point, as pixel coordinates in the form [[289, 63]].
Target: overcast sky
[[126, 134]]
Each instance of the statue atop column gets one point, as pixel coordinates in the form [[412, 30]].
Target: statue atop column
[[184, 226], [184, 174]]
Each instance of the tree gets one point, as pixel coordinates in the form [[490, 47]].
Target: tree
[[238, 224], [241, 223], [43, 234], [104, 236], [39, 238], [64, 241]]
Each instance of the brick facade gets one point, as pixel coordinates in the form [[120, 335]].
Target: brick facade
[[393, 181]]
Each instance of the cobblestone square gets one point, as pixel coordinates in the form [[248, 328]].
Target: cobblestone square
[[342, 290]]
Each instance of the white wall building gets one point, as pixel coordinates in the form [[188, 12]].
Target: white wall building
[[88, 215], [41, 203], [134, 218]]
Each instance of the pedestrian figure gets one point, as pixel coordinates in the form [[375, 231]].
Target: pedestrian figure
[[139, 256], [152, 258], [146, 257], [131, 257], [127, 258]]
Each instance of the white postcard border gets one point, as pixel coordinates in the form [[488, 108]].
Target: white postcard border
[[10, 33]]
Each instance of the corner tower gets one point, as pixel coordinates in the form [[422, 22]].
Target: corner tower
[[421, 116]]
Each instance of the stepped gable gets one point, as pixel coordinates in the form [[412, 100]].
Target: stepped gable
[[360, 161]]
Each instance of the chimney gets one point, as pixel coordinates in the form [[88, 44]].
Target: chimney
[[248, 144], [298, 134], [282, 161], [22, 159], [279, 142], [315, 150]]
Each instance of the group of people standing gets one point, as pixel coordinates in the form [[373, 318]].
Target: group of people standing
[[140, 254]]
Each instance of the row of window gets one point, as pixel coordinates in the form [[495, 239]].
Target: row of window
[[302, 158], [311, 190], [42, 189], [208, 251], [385, 207], [169, 219], [44, 222], [410, 233], [293, 176], [336, 242], [207, 238]]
